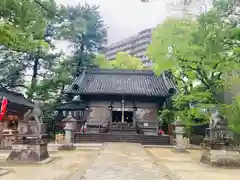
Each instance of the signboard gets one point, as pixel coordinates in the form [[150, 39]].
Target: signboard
[[145, 124], [3, 107], [122, 109]]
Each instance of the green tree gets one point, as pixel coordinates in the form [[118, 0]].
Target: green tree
[[21, 22], [197, 54], [123, 61], [26, 40], [86, 30], [12, 69], [52, 85], [102, 62]]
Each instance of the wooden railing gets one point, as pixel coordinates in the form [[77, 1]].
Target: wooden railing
[[122, 125], [104, 126]]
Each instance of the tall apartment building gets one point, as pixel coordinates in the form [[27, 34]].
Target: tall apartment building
[[135, 45]]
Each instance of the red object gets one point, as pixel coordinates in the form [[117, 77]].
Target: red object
[[83, 129], [161, 132], [3, 107]]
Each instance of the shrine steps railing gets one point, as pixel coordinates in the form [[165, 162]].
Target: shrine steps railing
[[122, 127]]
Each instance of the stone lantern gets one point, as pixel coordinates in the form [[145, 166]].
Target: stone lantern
[[70, 128], [179, 140]]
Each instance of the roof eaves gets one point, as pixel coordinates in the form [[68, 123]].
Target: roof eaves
[[168, 83], [77, 80]]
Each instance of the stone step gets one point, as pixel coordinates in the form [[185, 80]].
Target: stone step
[[118, 137]]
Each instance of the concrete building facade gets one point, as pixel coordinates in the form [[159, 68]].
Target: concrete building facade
[[135, 45], [181, 8]]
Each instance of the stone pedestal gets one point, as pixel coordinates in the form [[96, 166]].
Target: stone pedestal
[[219, 148], [221, 158], [28, 151]]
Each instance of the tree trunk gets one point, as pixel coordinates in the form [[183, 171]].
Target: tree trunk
[[80, 61], [34, 78]]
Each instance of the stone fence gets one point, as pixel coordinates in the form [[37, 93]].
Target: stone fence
[[7, 141]]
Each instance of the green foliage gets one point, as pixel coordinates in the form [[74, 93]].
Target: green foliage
[[86, 20], [51, 87], [232, 113], [123, 61], [24, 26], [166, 116], [201, 54], [102, 62], [11, 68], [86, 30]]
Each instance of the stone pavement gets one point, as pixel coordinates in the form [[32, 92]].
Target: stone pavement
[[187, 166], [120, 161], [67, 163], [124, 161]]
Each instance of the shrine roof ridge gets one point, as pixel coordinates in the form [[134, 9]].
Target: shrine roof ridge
[[120, 71], [122, 82]]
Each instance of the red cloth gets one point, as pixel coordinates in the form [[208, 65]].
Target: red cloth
[[83, 129], [3, 107], [161, 132]]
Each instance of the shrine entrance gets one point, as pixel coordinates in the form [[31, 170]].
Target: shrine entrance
[[116, 116], [122, 117], [128, 117]]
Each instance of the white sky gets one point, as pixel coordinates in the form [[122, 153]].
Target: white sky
[[126, 17]]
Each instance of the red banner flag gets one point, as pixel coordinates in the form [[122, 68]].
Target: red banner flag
[[3, 107]]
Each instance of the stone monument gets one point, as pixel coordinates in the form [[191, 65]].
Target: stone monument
[[219, 149], [179, 140], [31, 147], [70, 128]]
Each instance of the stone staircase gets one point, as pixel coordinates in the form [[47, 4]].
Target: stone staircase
[[118, 132], [121, 137]]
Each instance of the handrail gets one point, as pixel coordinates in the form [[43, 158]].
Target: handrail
[[101, 125], [122, 126]]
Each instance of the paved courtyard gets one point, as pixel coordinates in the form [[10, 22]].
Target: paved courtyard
[[66, 163], [187, 166], [122, 161], [119, 161]]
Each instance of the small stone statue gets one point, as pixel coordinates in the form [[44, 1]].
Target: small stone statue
[[35, 116], [217, 120]]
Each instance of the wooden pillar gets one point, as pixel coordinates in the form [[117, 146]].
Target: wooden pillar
[[110, 108], [122, 110], [110, 115]]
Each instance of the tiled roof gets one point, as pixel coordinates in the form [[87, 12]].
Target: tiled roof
[[121, 82], [73, 105], [15, 97]]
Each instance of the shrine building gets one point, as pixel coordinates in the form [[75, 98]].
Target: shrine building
[[12, 123], [117, 104]]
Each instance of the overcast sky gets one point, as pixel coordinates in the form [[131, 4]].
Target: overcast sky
[[126, 17]]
